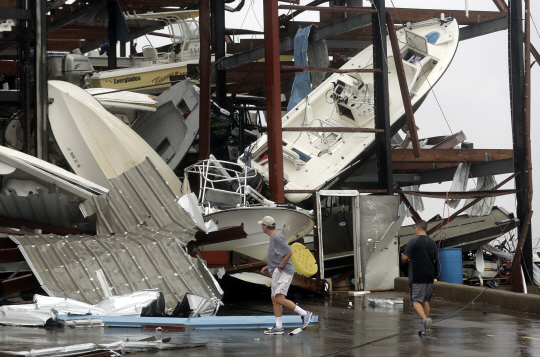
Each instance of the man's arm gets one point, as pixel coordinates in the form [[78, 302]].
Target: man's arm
[[284, 260], [405, 258]]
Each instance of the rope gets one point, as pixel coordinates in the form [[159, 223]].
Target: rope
[[402, 332]]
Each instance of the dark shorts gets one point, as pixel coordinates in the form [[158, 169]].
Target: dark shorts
[[420, 292]]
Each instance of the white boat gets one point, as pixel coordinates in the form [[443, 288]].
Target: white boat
[[97, 145], [125, 105], [156, 68], [36, 191], [293, 223], [246, 206], [317, 160], [23, 173]]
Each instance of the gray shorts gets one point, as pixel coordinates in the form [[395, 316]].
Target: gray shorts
[[280, 283], [420, 292]]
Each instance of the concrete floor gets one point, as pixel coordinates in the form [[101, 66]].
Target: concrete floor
[[479, 330]]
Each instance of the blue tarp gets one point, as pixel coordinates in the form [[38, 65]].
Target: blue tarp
[[206, 323], [302, 81]]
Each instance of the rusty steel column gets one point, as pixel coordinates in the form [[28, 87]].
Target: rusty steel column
[[405, 95], [520, 130], [527, 103], [204, 68], [273, 100], [380, 85]]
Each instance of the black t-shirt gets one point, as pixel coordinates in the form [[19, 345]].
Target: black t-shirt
[[423, 252]]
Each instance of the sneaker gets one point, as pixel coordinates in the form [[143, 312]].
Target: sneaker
[[306, 319], [427, 325], [274, 331]]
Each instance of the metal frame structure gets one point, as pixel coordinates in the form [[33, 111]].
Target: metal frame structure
[[35, 27]]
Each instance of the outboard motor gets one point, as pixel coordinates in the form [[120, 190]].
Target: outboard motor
[[70, 68]]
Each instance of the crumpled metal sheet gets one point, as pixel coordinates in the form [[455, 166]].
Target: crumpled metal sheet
[[467, 232], [46, 208], [24, 315], [140, 197], [103, 349], [138, 260], [317, 52], [484, 206], [131, 304], [416, 201], [459, 183]]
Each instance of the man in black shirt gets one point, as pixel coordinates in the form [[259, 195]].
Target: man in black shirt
[[421, 253]]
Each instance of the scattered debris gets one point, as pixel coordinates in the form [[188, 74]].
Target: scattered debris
[[108, 349], [385, 301]]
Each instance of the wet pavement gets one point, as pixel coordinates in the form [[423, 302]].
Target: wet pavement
[[478, 330]]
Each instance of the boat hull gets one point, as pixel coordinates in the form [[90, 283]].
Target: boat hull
[[97, 145], [157, 77], [292, 223]]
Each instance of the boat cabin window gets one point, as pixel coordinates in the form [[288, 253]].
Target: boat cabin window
[[432, 37]]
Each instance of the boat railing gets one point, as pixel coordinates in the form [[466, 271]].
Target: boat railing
[[215, 174], [183, 29]]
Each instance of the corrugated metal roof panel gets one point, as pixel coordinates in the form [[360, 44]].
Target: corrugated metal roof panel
[[140, 197], [141, 259]]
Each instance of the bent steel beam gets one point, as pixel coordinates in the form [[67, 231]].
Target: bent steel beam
[[405, 95]]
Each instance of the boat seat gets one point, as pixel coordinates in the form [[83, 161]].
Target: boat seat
[[151, 54], [294, 156]]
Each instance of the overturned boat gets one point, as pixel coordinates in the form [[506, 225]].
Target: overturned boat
[[229, 194], [317, 160], [97, 145]]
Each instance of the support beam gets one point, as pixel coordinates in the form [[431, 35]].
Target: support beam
[[286, 44], [18, 284], [483, 28], [16, 14], [112, 7], [326, 69], [354, 10], [41, 105], [416, 217], [292, 15], [405, 95], [460, 195], [520, 129], [515, 270], [205, 80], [92, 7], [333, 129], [218, 46], [464, 208], [501, 5], [381, 93], [451, 155], [273, 101]]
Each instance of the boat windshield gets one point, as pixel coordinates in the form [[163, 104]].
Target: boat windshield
[[189, 30]]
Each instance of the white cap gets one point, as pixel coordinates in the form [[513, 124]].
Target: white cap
[[267, 221]]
